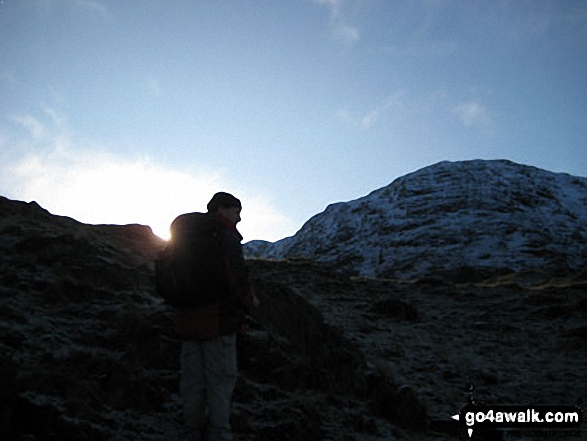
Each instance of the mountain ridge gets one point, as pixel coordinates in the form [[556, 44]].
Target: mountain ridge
[[474, 216]]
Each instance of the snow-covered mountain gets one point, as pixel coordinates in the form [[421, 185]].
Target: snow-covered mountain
[[477, 217]]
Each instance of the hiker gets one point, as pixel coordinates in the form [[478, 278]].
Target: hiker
[[209, 333]]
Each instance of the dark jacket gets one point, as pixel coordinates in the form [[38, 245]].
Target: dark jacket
[[227, 315]]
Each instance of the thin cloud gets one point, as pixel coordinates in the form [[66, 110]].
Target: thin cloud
[[341, 29], [92, 6], [473, 114], [35, 128], [368, 120], [470, 114], [52, 126]]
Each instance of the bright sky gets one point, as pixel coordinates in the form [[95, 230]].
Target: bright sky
[[119, 111]]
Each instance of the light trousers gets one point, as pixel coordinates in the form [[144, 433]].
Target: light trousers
[[208, 378]]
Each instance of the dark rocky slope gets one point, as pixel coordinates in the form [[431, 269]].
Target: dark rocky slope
[[88, 351]]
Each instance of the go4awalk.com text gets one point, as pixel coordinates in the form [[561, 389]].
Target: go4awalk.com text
[[475, 416]]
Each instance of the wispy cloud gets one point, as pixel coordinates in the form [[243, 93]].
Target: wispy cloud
[[50, 125], [92, 6], [341, 29], [31, 124], [346, 33], [473, 114], [404, 106], [85, 181], [369, 119]]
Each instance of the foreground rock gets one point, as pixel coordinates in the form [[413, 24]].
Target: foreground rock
[[88, 351], [517, 344]]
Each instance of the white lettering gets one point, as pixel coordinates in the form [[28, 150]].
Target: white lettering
[[510, 417], [536, 417]]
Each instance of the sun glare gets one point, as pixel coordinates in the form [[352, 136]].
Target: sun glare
[[108, 189]]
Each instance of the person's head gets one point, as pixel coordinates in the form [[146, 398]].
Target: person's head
[[226, 205]]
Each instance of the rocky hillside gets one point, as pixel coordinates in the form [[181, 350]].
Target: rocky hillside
[[87, 350], [475, 218]]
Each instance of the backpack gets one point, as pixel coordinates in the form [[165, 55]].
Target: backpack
[[190, 271]]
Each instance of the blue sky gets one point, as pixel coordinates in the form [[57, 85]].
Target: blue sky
[[137, 111]]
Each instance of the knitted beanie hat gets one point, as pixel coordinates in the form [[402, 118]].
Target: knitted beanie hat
[[222, 199]]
